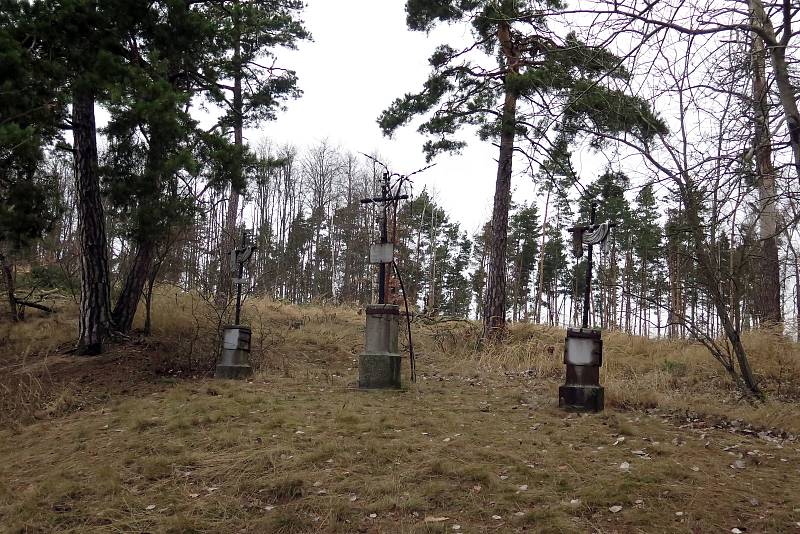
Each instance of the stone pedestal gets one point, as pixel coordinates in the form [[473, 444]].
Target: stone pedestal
[[583, 355], [234, 362], [379, 365]]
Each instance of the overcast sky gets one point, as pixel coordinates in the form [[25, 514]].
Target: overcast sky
[[361, 59]]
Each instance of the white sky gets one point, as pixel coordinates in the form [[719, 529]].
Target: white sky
[[362, 58]]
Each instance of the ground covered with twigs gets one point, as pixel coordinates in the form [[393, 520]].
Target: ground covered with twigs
[[140, 440]]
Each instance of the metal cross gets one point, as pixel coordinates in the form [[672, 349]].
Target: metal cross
[[239, 257], [385, 199], [591, 234]]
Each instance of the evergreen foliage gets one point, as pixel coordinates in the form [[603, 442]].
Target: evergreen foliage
[[30, 115]]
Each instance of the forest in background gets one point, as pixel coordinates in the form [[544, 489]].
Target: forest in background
[[303, 209]]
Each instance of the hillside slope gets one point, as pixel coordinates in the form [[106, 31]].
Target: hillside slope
[[140, 440]]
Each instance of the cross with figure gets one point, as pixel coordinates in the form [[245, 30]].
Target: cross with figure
[[591, 234], [240, 257], [234, 359], [383, 253], [379, 364], [583, 347]]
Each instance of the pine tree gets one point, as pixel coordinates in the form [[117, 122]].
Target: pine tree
[[647, 244], [524, 233], [80, 45], [30, 112], [519, 58], [247, 34], [150, 141], [182, 57], [612, 206]]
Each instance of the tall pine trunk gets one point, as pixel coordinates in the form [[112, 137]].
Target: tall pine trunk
[[494, 312], [228, 241], [95, 305], [769, 292], [537, 306]]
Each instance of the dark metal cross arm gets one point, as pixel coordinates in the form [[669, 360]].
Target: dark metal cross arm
[[383, 199], [583, 228]]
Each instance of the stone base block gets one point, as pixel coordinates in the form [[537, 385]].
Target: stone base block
[[234, 360], [379, 371], [233, 371], [581, 398]]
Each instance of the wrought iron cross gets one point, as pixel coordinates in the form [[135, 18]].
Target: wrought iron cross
[[385, 199], [591, 234], [239, 257]]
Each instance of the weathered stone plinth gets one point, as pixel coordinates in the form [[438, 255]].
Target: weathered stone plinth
[[380, 363], [583, 355], [581, 398], [379, 371], [234, 362]]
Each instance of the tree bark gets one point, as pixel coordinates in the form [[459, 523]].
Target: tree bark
[[8, 281], [769, 297], [537, 306], [95, 318], [228, 241], [128, 300], [494, 313], [786, 91]]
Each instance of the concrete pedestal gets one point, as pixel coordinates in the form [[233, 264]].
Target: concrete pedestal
[[380, 363], [583, 355], [234, 362]]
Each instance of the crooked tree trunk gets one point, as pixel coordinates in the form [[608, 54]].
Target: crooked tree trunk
[[128, 300], [95, 305], [142, 265], [708, 270], [769, 290], [494, 312]]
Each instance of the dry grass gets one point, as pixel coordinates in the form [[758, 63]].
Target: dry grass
[[477, 440], [26, 351]]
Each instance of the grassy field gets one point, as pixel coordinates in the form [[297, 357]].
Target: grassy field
[[140, 440]]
